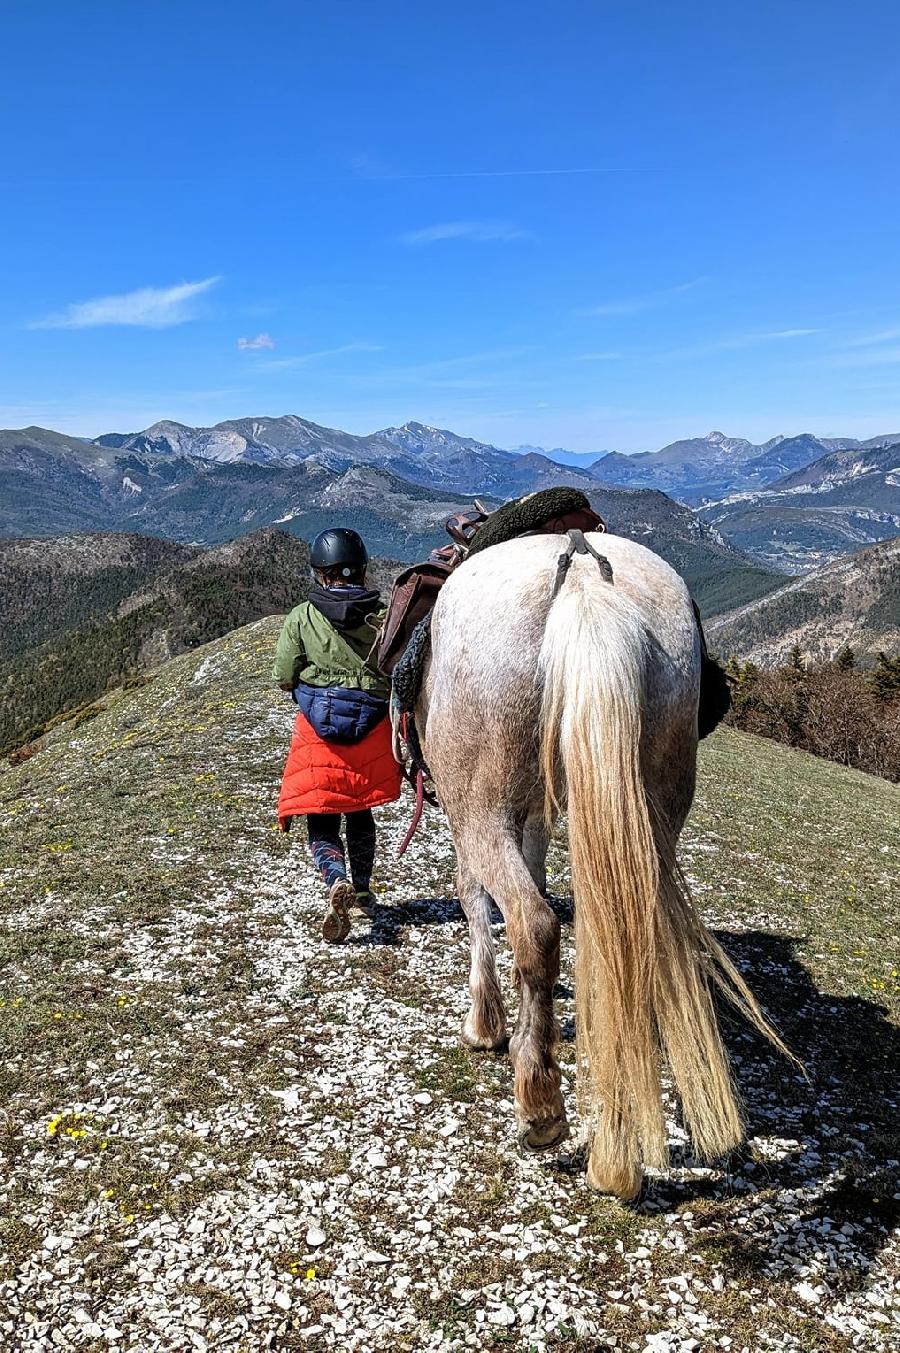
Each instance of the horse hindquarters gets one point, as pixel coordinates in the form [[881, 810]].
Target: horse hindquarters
[[639, 943]]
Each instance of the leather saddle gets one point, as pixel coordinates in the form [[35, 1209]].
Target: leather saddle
[[416, 589]]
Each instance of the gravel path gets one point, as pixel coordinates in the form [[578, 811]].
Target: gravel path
[[221, 1133]]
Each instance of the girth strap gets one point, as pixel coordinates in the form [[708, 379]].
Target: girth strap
[[579, 545]]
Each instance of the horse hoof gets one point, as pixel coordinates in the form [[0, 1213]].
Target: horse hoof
[[476, 1043], [543, 1134]]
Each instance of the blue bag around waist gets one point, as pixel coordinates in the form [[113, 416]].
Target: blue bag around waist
[[340, 713]]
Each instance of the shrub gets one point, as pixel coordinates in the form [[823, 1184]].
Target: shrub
[[829, 709]]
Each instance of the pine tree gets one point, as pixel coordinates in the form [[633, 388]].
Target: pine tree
[[845, 658], [745, 678], [885, 678], [796, 661]]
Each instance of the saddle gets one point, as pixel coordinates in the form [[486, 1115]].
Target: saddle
[[416, 589]]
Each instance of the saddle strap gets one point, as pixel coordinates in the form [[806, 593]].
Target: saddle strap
[[578, 545]]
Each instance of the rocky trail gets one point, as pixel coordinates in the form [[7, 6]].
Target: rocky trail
[[219, 1132]]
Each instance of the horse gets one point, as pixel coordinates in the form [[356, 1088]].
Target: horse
[[547, 688]]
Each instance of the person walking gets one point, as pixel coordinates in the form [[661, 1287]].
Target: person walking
[[341, 761]]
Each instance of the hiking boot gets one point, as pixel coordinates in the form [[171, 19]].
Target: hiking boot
[[336, 925], [365, 902]]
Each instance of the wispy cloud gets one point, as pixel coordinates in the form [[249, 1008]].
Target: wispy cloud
[[147, 308], [464, 230], [737, 342], [368, 166], [867, 340], [303, 358], [752, 340], [478, 366], [872, 357], [599, 357], [650, 300], [256, 344]]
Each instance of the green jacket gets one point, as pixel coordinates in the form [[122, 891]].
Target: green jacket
[[311, 650]]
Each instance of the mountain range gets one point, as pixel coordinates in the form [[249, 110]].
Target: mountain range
[[699, 469], [847, 499], [50, 484], [789, 503], [692, 470]]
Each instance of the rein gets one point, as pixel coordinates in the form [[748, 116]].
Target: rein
[[415, 775]]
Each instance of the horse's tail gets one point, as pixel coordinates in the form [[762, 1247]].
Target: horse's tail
[[644, 959]]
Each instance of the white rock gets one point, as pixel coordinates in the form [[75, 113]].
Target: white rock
[[315, 1237], [504, 1315]]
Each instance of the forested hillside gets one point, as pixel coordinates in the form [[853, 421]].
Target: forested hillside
[[77, 633], [48, 586], [854, 601]]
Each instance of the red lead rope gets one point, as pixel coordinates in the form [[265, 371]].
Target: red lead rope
[[417, 815], [417, 780]]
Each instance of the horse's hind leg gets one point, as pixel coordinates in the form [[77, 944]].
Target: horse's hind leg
[[535, 841], [533, 932], [484, 1027]]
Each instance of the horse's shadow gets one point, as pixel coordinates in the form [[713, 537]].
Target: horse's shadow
[[389, 922], [824, 1152], [824, 1149]]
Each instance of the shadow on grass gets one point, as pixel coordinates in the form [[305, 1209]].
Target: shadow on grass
[[389, 921], [836, 1186], [837, 1182]]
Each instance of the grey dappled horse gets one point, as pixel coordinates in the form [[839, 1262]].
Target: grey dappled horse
[[586, 698]]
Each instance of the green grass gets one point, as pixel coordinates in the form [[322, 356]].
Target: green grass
[[804, 847]]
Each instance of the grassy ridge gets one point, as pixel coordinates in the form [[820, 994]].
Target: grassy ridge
[[186, 1064]]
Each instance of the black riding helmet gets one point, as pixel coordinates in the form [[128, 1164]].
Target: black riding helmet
[[338, 547]]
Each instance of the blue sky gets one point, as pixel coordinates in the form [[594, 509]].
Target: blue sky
[[592, 225]]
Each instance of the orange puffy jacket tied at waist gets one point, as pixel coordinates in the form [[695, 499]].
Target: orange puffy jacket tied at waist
[[337, 777]]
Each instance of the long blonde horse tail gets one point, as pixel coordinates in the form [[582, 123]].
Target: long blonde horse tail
[[645, 963]]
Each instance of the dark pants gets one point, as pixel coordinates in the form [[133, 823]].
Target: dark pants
[[328, 849]]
